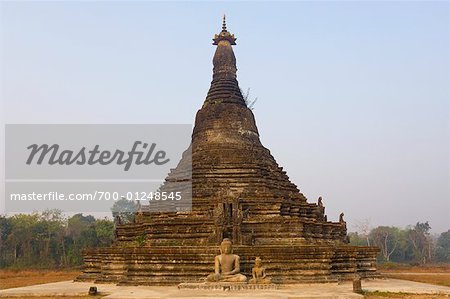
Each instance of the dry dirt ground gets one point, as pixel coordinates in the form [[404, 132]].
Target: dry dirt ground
[[65, 297], [439, 275], [22, 278], [432, 274]]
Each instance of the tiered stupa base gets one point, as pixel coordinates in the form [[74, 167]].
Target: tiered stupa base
[[188, 264]]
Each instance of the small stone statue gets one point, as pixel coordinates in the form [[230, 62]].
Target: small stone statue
[[117, 220], [321, 209], [347, 240], [319, 202], [226, 268], [341, 218], [139, 216], [259, 273]]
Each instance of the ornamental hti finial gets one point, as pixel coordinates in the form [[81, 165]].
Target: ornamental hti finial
[[224, 34], [224, 23]]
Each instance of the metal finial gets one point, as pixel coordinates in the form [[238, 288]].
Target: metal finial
[[224, 24], [224, 34]]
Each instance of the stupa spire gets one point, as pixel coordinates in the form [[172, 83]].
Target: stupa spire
[[224, 35], [224, 60]]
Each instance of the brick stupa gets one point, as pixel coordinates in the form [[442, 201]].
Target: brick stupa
[[238, 192]]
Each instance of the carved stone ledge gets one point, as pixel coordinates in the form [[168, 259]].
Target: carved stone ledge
[[227, 286]]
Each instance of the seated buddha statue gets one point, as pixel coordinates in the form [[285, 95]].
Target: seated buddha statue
[[226, 265], [259, 273]]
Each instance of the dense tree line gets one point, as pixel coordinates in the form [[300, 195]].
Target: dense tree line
[[49, 239], [413, 244]]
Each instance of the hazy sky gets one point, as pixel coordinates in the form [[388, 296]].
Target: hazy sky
[[353, 97]]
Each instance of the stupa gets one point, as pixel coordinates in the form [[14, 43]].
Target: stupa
[[238, 192]]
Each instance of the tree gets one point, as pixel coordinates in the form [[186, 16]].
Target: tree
[[80, 234], [363, 228], [79, 223], [386, 238], [125, 209], [53, 225], [5, 231], [23, 241], [104, 230], [421, 242], [442, 250], [50, 240], [357, 239]]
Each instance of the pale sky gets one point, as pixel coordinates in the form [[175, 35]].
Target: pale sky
[[353, 97]]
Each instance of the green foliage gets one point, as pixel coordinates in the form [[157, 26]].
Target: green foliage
[[420, 242], [49, 239], [140, 240], [104, 230], [442, 251], [357, 240], [125, 209], [413, 244], [387, 239]]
